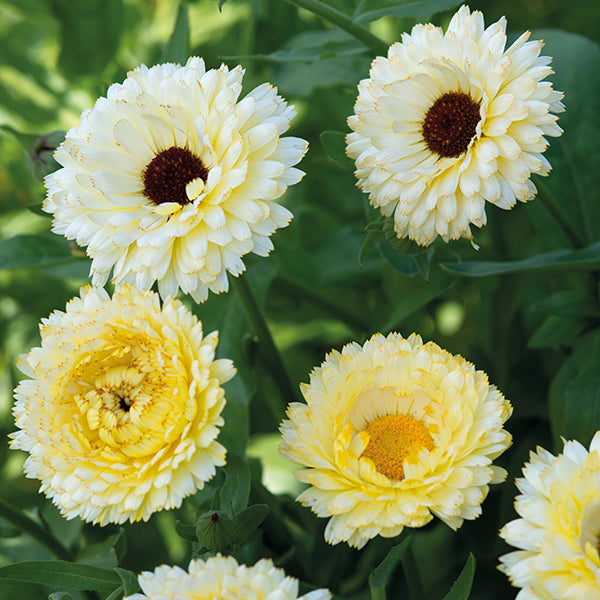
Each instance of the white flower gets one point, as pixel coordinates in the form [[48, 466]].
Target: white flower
[[449, 121], [122, 407], [558, 534], [393, 433], [222, 577], [171, 179]]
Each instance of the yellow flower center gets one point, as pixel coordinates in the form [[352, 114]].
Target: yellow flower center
[[391, 439]]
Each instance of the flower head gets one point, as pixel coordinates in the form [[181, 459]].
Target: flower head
[[449, 121], [222, 577], [171, 179], [558, 534], [123, 406], [392, 433]]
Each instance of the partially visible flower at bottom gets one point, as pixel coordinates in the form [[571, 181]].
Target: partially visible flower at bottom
[[222, 577], [122, 407], [393, 433], [558, 534]]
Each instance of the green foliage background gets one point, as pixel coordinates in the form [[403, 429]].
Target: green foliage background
[[525, 308]]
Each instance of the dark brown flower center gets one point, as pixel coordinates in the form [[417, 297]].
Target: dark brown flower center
[[167, 174], [451, 123], [125, 404]]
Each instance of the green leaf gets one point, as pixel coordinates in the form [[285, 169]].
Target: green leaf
[[177, 49], [383, 574], [34, 251], [570, 303], [369, 10], [60, 596], [236, 489], [310, 46], [575, 392], [586, 259], [249, 520], [462, 586], [59, 573], [129, 579], [403, 263], [187, 532], [554, 331], [371, 241], [90, 34], [334, 144]]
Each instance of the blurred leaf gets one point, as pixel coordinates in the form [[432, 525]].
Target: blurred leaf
[[555, 330], [310, 46], [177, 49], [574, 156], [60, 596], [369, 10], [34, 251], [334, 144], [570, 303], [236, 489], [403, 263], [586, 259], [249, 520], [418, 293], [63, 574], [129, 579], [575, 392], [370, 243], [383, 574], [187, 532], [462, 586], [90, 34]]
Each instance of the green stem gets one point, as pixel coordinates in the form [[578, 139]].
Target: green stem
[[261, 330], [411, 572], [356, 321], [34, 529], [335, 17], [555, 209]]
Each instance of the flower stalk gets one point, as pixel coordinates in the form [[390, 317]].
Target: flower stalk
[[261, 330], [33, 529], [338, 18]]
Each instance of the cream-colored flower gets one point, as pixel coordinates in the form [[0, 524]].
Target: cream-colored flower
[[558, 534], [122, 407], [449, 121], [171, 179], [222, 577], [392, 433]]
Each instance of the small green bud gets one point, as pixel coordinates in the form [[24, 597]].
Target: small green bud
[[215, 530]]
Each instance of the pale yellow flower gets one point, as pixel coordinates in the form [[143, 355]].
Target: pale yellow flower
[[170, 178], [222, 577], [558, 534], [122, 407], [393, 433], [450, 121]]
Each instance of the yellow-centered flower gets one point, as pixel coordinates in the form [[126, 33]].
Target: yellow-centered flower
[[393, 433], [122, 407]]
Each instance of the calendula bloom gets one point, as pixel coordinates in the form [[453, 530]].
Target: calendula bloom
[[449, 121], [122, 407], [558, 534], [393, 433], [222, 577], [170, 178]]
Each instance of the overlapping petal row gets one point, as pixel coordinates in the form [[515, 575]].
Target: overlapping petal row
[[558, 534], [222, 577], [122, 406], [170, 178], [393, 433], [450, 121]]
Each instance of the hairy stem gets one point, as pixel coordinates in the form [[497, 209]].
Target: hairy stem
[[335, 17]]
